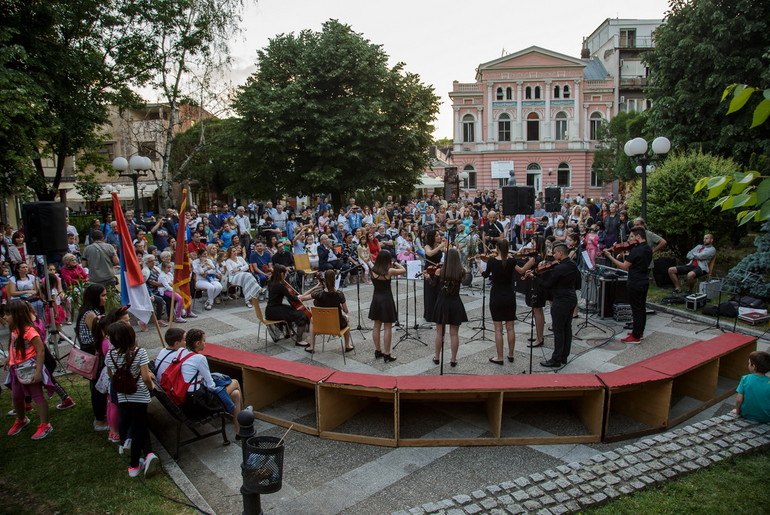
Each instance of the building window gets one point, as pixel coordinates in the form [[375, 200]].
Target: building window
[[537, 91], [533, 127], [631, 106], [504, 127], [627, 38], [469, 129], [565, 91], [561, 126], [108, 151], [596, 122], [509, 93], [149, 149], [499, 93], [528, 93], [534, 175], [556, 91], [564, 176], [595, 181], [502, 183], [470, 182]]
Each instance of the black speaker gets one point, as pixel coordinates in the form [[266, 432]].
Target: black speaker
[[612, 291], [518, 200], [552, 199], [660, 271], [45, 228]]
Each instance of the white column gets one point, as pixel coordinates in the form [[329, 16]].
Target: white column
[[519, 125], [547, 121], [458, 136], [480, 117], [576, 96], [491, 134]]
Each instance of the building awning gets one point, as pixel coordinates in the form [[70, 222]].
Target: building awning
[[125, 192], [425, 182]]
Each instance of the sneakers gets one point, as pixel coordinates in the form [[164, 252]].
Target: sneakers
[[151, 463], [676, 291], [134, 471], [113, 437], [631, 339], [100, 427], [180, 320], [125, 447], [17, 426], [248, 304], [631, 334], [27, 408], [43, 430], [190, 314], [66, 403], [162, 323]]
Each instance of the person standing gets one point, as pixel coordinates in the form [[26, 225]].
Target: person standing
[[434, 253], [449, 310], [561, 283], [100, 258], [637, 263], [382, 309]]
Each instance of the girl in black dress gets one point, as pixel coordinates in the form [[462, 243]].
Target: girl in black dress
[[277, 310], [536, 296], [434, 251], [449, 308], [502, 298], [330, 297], [383, 309]]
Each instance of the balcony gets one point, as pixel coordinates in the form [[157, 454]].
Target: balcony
[[636, 42], [466, 87], [633, 83]]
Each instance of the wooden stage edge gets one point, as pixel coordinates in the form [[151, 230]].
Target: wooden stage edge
[[399, 411]]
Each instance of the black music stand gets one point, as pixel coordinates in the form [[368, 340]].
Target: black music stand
[[483, 327], [360, 328], [407, 335], [594, 275]]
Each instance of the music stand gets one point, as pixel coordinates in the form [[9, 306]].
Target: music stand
[[483, 327], [360, 328], [593, 274], [411, 276]]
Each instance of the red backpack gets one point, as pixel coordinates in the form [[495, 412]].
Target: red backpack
[[172, 381]]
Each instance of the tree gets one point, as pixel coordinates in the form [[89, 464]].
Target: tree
[[702, 47], [204, 153], [68, 60], [674, 212], [324, 112], [610, 162]]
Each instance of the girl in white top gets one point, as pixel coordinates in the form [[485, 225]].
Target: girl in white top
[[166, 279], [238, 274], [207, 278], [24, 286]]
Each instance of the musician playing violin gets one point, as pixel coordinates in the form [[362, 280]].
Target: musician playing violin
[[637, 263], [435, 246], [535, 296], [278, 290], [561, 284]]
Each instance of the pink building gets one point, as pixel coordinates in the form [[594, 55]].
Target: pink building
[[535, 112]]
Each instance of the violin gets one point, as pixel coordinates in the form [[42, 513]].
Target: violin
[[430, 270], [525, 253], [298, 305], [623, 246], [540, 269], [487, 257]]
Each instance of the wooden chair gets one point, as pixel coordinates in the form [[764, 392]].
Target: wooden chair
[[263, 321], [327, 321], [711, 267], [302, 263]]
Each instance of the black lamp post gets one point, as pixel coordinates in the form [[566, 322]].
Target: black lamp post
[[637, 149], [134, 169]]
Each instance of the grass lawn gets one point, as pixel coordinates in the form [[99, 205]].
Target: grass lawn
[[75, 469], [735, 486]]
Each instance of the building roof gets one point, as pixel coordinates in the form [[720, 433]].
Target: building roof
[[594, 69]]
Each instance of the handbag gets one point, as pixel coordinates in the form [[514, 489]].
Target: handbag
[[83, 363], [103, 383], [25, 371]]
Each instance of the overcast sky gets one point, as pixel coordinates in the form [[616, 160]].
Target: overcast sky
[[442, 41]]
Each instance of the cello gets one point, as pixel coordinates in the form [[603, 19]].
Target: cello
[[298, 305]]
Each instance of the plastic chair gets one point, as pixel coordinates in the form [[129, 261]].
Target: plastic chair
[[302, 262], [264, 322], [327, 321]]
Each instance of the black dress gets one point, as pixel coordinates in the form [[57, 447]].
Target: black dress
[[449, 308], [277, 310], [502, 298], [382, 308], [331, 299], [431, 287]]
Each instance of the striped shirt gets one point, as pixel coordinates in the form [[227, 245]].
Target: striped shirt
[[115, 359]]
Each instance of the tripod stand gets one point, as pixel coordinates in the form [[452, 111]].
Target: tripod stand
[[359, 328], [406, 335], [483, 327], [591, 277], [54, 335]]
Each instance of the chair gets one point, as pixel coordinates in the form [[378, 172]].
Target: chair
[[327, 321], [264, 321], [302, 263], [195, 293], [711, 267]]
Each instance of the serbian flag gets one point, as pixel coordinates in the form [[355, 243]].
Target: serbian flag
[[133, 290], [182, 268]]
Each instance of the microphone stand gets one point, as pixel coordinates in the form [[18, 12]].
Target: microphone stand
[[406, 335], [360, 328]]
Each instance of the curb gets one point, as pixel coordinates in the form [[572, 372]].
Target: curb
[[705, 320], [606, 476]]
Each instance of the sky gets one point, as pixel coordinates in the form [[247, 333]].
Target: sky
[[442, 41]]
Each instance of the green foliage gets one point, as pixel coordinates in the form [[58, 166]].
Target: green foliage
[[324, 112], [88, 187], [756, 263], [610, 162], [204, 153], [443, 142], [701, 47], [674, 212]]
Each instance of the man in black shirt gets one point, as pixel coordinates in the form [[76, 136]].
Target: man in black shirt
[[637, 263], [561, 283], [493, 231]]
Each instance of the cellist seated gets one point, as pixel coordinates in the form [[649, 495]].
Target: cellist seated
[[294, 312]]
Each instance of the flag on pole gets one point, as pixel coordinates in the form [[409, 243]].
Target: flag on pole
[[133, 290], [182, 268]]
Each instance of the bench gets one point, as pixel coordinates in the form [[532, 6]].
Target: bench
[[192, 424]]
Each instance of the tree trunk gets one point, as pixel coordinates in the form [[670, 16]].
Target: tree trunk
[[165, 182]]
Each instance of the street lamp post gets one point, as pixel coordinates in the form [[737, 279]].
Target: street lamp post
[[453, 179], [637, 149], [131, 168]]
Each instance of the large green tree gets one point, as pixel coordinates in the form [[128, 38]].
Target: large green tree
[[610, 162], [64, 62], [703, 47], [325, 112]]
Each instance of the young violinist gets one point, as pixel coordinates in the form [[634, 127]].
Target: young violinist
[[637, 263], [449, 308], [295, 313], [382, 310], [561, 284], [536, 296], [435, 247], [502, 297]]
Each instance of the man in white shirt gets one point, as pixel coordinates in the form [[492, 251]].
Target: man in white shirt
[[174, 338], [243, 226], [71, 229], [280, 217]]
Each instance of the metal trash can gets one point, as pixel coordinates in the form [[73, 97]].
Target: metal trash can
[[262, 466]]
